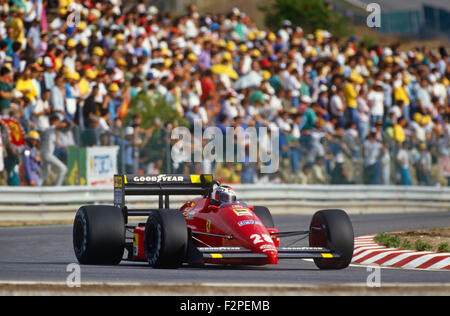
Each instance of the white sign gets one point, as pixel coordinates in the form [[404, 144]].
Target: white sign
[[444, 165], [101, 166]]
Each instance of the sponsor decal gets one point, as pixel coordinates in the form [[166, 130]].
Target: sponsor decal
[[242, 212], [208, 226], [118, 182], [159, 178], [135, 245], [189, 215], [249, 222], [267, 247], [118, 196]]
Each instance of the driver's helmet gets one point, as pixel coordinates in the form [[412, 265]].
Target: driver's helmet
[[223, 194]]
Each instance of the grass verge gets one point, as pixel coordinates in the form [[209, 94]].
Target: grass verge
[[436, 240]]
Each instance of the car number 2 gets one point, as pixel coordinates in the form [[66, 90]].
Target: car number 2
[[260, 238]]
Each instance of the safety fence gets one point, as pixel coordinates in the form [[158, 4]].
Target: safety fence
[[54, 203]]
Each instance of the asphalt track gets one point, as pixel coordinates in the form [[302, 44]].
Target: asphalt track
[[41, 254]]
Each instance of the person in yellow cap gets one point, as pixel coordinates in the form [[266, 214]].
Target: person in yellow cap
[[192, 57], [98, 51], [402, 98], [71, 43], [121, 62], [251, 36], [242, 49], [350, 96], [25, 85], [399, 132], [226, 57], [114, 87], [271, 37], [84, 86], [255, 53], [82, 26], [17, 24], [418, 117], [266, 75], [91, 74], [231, 46], [168, 63], [222, 43], [119, 37], [426, 119], [31, 162]]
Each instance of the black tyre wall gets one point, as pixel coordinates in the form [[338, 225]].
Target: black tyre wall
[[336, 234], [99, 235], [166, 239]]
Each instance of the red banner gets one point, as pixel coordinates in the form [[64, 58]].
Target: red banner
[[16, 134]]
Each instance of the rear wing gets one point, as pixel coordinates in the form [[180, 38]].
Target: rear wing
[[162, 185]]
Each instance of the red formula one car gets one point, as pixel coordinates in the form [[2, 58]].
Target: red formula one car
[[214, 228]]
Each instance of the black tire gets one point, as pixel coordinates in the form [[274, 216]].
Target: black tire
[[332, 229], [99, 235], [264, 215], [166, 239]]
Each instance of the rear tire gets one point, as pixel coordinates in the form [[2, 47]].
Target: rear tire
[[166, 239], [264, 215], [332, 229], [99, 235]]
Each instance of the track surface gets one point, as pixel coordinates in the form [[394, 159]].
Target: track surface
[[41, 254]]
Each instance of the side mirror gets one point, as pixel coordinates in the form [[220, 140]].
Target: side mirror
[[251, 208]]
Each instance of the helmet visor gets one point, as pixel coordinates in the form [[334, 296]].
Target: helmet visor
[[227, 197]]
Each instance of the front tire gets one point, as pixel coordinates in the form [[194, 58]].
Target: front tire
[[166, 239], [332, 229], [99, 235]]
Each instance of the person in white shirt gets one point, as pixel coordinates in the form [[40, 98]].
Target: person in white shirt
[[376, 103], [42, 112], [337, 106], [403, 160]]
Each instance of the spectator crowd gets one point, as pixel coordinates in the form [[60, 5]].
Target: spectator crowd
[[346, 113]]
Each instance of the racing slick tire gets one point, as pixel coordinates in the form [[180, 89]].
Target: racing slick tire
[[166, 239], [264, 215], [99, 235], [332, 229]]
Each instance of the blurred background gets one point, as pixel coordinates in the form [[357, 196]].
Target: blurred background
[[92, 88]]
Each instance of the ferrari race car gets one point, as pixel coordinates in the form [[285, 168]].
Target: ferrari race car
[[214, 228]]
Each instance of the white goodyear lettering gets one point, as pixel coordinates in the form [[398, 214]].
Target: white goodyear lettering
[[159, 178]]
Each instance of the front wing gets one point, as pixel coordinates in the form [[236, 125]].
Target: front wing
[[224, 254]]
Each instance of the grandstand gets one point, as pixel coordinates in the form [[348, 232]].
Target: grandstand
[[100, 85]]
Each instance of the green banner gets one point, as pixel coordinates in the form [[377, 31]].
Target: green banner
[[77, 166]]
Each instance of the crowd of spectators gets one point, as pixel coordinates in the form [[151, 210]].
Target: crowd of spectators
[[347, 113]]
